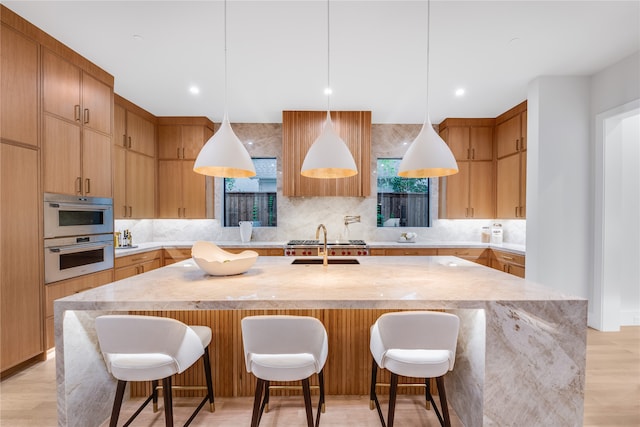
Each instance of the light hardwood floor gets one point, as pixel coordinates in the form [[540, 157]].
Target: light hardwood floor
[[612, 396]]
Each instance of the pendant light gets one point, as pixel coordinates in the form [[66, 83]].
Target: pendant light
[[428, 155], [328, 156], [223, 155]]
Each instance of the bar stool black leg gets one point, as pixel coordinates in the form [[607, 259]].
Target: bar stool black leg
[[443, 401], [207, 373], [393, 389], [306, 391], [117, 403], [168, 402], [257, 409]]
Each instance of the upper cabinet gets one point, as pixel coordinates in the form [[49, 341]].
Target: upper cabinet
[[469, 193], [182, 193], [134, 141], [19, 100], [77, 117], [511, 165], [299, 131]]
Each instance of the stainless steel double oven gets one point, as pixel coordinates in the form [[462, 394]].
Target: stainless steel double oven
[[78, 236]]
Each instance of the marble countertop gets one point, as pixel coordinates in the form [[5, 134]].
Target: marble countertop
[[143, 247], [273, 282]]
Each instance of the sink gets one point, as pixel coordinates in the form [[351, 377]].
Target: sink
[[330, 260]]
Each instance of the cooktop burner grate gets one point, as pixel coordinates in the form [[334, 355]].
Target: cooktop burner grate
[[317, 243]]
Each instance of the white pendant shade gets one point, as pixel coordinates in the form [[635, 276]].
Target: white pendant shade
[[428, 156], [329, 156], [224, 155]]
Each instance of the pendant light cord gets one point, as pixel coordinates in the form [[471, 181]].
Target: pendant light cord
[[428, 42], [328, 58], [225, 58]]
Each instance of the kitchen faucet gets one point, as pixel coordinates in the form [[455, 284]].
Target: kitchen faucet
[[323, 252]]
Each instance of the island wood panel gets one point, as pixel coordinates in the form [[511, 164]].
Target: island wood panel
[[300, 130], [346, 372]]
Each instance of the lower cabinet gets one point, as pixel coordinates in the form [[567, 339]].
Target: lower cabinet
[[130, 265], [477, 255], [508, 262], [173, 255], [500, 260], [68, 287], [403, 251], [21, 267]]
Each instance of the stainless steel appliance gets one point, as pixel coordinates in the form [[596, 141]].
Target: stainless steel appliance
[[67, 257], [300, 248], [78, 236], [76, 215]]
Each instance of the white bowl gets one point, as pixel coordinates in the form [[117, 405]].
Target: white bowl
[[218, 262]]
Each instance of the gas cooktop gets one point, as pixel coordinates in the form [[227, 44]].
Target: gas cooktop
[[329, 243], [342, 248]]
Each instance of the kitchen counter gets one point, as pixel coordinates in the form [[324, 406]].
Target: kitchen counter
[[521, 348], [143, 247]]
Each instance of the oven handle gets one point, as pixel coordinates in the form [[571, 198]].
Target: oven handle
[[80, 206], [70, 249]]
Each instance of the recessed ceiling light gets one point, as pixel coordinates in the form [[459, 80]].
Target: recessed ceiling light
[[328, 91], [194, 90], [459, 92], [137, 37]]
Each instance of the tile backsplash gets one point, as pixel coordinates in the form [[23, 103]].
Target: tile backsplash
[[298, 217]]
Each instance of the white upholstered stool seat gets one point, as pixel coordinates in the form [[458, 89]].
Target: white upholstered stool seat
[[417, 344], [149, 348], [284, 348]]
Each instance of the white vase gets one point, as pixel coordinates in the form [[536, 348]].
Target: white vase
[[246, 227]]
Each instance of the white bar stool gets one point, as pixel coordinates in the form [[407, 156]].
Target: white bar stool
[[417, 344], [149, 348], [284, 348]]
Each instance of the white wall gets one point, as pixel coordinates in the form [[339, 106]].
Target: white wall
[[630, 265], [558, 176], [561, 198]]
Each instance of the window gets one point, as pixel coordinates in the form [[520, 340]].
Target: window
[[402, 202], [252, 199]]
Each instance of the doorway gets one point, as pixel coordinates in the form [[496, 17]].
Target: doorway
[[615, 299]]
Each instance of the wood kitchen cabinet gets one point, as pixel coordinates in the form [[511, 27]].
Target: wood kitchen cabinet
[[508, 262], [63, 288], [477, 255], [300, 130], [130, 265], [134, 193], [182, 193], [21, 262], [511, 165], [19, 77], [403, 251], [77, 116], [469, 193]]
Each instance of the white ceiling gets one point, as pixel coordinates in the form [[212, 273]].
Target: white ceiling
[[277, 52]]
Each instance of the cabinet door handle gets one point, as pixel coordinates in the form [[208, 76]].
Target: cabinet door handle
[[87, 185], [79, 185], [86, 116], [178, 152], [472, 213], [124, 141], [184, 212], [183, 152], [473, 154], [76, 112], [124, 215], [130, 211], [468, 153], [507, 257], [129, 142]]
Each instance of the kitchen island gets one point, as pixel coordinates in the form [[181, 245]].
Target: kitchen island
[[521, 348]]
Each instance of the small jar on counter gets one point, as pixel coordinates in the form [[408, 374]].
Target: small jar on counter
[[485, 236]]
